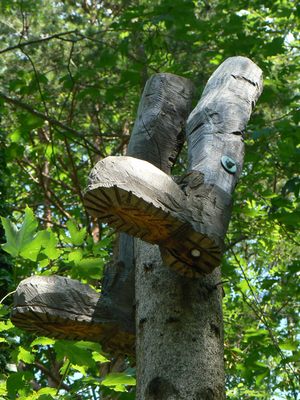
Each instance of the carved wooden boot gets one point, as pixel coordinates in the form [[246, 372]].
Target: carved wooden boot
[[190, 226], [136, 197], [64, 308], [129, 204]]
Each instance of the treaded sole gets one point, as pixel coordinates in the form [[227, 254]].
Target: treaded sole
[[50, 325], [188, 252]]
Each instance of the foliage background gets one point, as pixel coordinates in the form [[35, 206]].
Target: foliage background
[[71, 73]]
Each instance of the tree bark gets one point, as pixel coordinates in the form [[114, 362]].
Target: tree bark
[[179, 320], [179, 332]]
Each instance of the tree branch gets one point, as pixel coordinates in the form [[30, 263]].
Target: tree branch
[[35, 41], [49, 374]]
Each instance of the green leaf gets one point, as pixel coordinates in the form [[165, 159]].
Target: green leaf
[[261, 377], [42, 341], [11, 232], [89, 267], [6, 326], [31, 250], [77, 235], [46, 393], [288, 345], [75, 256], [25, 355], [3, 390], [99, 357], [14, 383], [274, 47], [254, 333], [19, 240], [118, 381], [75, 353], [50, 245]]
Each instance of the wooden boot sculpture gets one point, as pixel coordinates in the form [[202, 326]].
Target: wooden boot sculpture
[[188, 221], [65, 308]]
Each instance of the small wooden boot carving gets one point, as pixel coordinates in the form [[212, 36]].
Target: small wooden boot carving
[[65, 308], [189, 222]]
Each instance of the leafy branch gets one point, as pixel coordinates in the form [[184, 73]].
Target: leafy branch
[[49, 119]]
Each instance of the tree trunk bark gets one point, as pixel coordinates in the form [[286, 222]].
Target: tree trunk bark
[[179, 331]]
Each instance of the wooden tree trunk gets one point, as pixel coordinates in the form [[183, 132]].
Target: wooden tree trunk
[[179, 320]]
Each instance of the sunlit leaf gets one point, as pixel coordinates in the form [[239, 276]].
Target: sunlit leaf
[[118, 381], [25, 355], [19, 239]]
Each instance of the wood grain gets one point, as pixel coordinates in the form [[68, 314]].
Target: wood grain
[[135, 196], [158, 133], [189, 223], [180, 342]]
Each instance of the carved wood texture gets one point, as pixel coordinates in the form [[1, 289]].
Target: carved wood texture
[[215, 134], [67, 309], [216, 129], [136, 197]]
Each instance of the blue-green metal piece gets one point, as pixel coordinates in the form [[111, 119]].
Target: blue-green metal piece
[[228, 164]]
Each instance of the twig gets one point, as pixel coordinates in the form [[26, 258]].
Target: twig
[[51, 222], [37, 81], [48, 373], [61, 382], [76, 181], [35, 41], [27, 162], [7, 295], [229, 245]]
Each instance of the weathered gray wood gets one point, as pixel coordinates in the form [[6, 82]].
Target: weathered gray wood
[[136, 198], [65, 308], [122, 194], [164, 107], [179, 332], [215, 129]]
